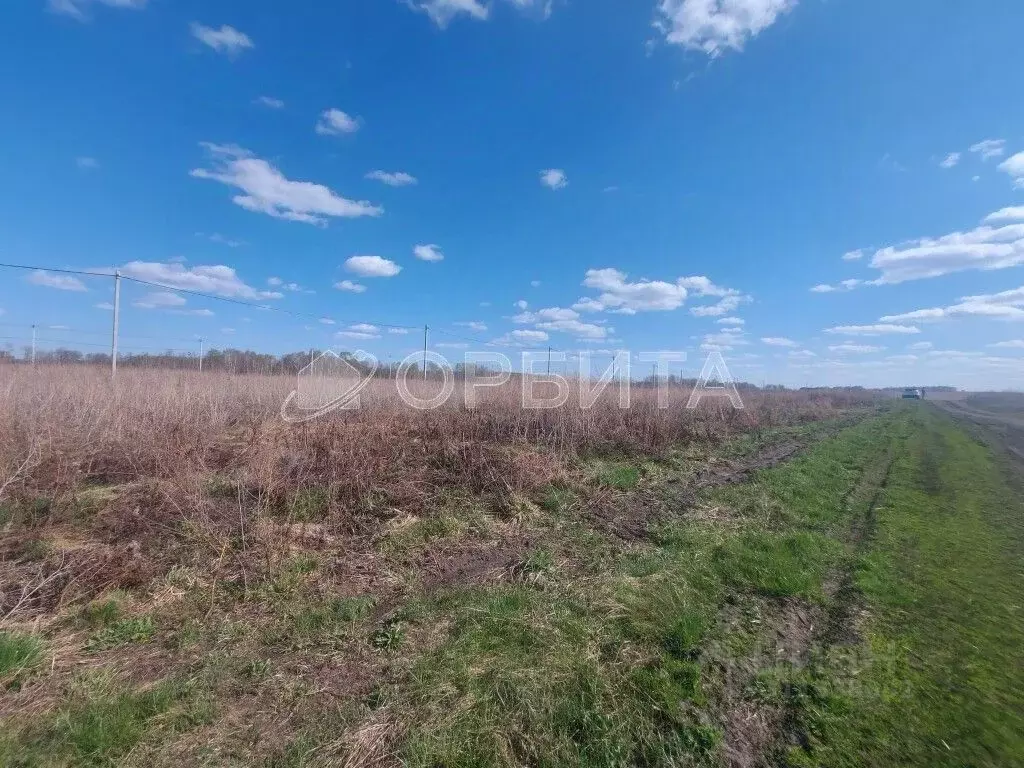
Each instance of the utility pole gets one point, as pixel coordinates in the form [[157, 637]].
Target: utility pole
[[33, 345], [200, 354], [425, 329], [117, 322], [549, 361]]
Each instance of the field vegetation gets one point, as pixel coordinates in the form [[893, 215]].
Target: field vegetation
[[186, 579]]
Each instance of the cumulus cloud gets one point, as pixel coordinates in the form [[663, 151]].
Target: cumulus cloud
[[576, 328], [982, 248], [989, 148], [60, 282], [950, 160], [359, 331], [269, 102], [522, 337], [1013, 213], [878, 329], [554, 178], [428, 253], [372, 266], [159, 300], [529, 336], [442, 12], [731, 321], [348, 285], [334, 122], [823, 288], [267, 190], [78, 9], [854, 348], [1014, 166], [562, 320], [473, 325], [619, 294], [396, 179], [1013, 344], [853, 255], [1006, 305], [217, 279], [715, 26], [226, 40], [778, 341]]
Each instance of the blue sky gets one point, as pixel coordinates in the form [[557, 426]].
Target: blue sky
[[654, 175]]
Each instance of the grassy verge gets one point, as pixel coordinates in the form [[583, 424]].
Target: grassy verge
[[856, 605], [939, 678]]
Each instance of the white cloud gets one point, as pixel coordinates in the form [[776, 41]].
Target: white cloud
[[853, 255], [714, 26], [855, 348], [226, 40], [529, 336], [326, 321], [843, 285], [216, 279], [441, 12], [396, 179], [1014, 344], [921, 346], [521, 304], [1013, 213], [778, 341], [77, 8], [428, 253], [192, 312], [372, 266], [348, 285], [474, 325], [1006, 305], [731, 321], [521, 338], [801, 354], [229, 242], [159, 300], [270, 102], [535, 283], [575, 328], [268, 191], [562, 320], [87, 163], [950, 160], [982, 248], [989, 148], [360, 331], [398, 331], [723, 307], [60, 282], [105, 305], [334, 122], [275, 281], [554, 178], [620, 295], [1014, 166], [878, 329]]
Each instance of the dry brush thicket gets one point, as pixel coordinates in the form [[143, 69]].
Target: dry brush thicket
[[168, 468]]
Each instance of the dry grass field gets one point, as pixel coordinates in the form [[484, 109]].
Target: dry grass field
[[186, 579]]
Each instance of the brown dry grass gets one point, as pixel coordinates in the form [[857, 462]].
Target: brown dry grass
[[168, 468]]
